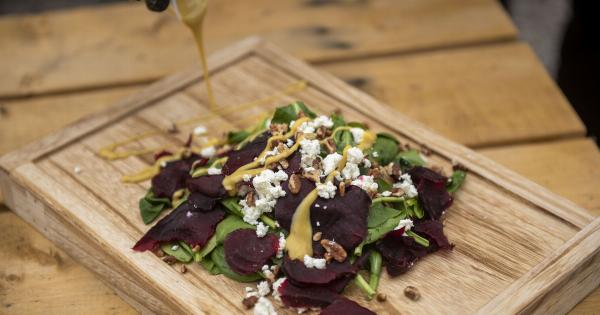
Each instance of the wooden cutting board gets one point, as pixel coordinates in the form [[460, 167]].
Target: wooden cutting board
[[519, 248]]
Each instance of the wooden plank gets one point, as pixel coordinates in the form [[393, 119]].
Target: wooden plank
[[529, 225], [478, 96], [123, 43]]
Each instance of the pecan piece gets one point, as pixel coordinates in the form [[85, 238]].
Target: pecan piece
[[250, 199], [294, 184], [329, 145], [314, 175], [342, 189], [334, 249], [284, 164], [278, 129], [381, 297], [250, 301], [169, 260], [412, 293]]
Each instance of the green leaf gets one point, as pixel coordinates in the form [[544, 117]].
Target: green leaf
[[379, 213], [206, 249], [383, 185], [456, 180], [342, 139], [338, 121], [210, 266], [228, 225], [410, 158], [374, 234], [182, 251], [233, 205], [419, 239], [235, 137], [414, 208], [386, 147], [285, 114], [218, 257], [375, 262], [151, 206]]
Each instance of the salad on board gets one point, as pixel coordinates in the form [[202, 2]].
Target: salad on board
[[301, 205]]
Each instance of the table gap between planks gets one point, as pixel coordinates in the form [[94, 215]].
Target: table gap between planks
[[549, 256]]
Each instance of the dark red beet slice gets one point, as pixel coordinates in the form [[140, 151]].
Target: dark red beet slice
[[399, 252], [294, 162], [246, 253], [172, 177], [434, 232], [432, 191], [342, 219], [301, 275], [246, 154], [295, 296], [346, 307], [210, 185], [201, 202], [286, 206], [183, 224]]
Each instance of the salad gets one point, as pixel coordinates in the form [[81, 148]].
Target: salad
[[301, 205]]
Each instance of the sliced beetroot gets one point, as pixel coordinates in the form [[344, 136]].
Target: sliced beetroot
[[299, 274], [246, 154], [400, 252], [201, 202], [286, 206], [294, 163], [431, 187], [434, 232], [183, 224], [295, 296], [342, 219], [210, 185], [172, 177], [246, 253], [346, 307]]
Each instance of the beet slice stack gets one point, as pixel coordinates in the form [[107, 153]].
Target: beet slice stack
[[246, 253]]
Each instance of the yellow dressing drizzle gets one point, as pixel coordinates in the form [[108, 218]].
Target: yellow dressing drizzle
[[152, 170]]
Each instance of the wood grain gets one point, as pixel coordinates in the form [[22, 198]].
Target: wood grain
[[124, 44], [479, 96], [530, 224]]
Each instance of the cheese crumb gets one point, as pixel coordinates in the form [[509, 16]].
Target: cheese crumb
[[309, 150], [175, 247], [214, 171], [366, 183], [323, 121], [375, 154], [407, 224], [355, 155], [350, 171], [199, 130], [268, 189], [367, 163], [311, 262], [289, 142], [264, 307], [330, 162], [281, 245], [276, 284], [326, 190], [208, 152], [247, 177], [261, 229], [386, 193], [263, 288], [357, 134], [407, 186]]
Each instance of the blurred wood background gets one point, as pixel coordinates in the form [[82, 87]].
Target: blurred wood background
[[455, 65]]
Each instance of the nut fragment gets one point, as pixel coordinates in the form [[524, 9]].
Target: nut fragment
[[284, 164], [250, 301], [182, 269], [313, 175], [336, 250], [342, 189], [412, 293], [323, 132], [396, 170], [159, 253], [397, 192], [250, 199], [375, 172], [317, 236], [278, 129], [294, 184], [328, 257], [169, 260], [459, 167], [329, 145], [381, 297]]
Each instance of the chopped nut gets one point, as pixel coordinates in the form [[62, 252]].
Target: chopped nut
[[323, 132], [412, 293], [250, 301], [278, 129], [317, 236], [173, 128], [328, 257], [199, 162], [284, 164], [159, 253], [275, 270], [196, 248], [313, 175], [250, 199], [316, 164], [381, 297], [396, 170], [281, 147], [294, 184], [182, 269], [375, 172], [397, 192], [169, 260], [342, 189], [329, 145], [336, 250]]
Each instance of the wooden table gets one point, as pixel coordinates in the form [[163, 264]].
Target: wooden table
[[454, 65]]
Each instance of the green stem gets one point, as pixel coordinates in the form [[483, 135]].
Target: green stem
[[363, 285], [387, 199], [419, 239], [375, 262], [268, 221]]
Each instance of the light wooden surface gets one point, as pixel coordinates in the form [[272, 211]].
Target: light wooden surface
[[122, 44], [93, 210]]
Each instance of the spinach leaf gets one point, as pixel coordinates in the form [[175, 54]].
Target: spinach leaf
[[232, 204], [410, 158], [206, 249], [235, 137], [228, 225], [456, 180], [419, 239], [179, 250], [285, 114], [210, 266], [386, 147], [383, 185], [413, 208], [374, 234], [338, 121], [379, 213], [218, 257], [151, 206], [342, 139]]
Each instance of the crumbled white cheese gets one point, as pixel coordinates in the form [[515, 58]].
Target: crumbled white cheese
[[292, 123], [249, 289], [208, 152], [77, 169], [261, 229], [163, 164], [281, 245], [306, 127], [407, 224], [264, 307], [247, 177], [366, 183], [199, 130], [323, 121], [330, 162], [375, 154], [319, 223], [311, 262], [357, 134], [268, 188], [367, 163], [189, 214], [350, 171], [309, 150], [175, 247], [276, 284], [273, 152], [289, 142], [355, 155], [317, 205], [263, 288], [214, 171], [326, 190], [386, 193], [324, 207], [407, 186]]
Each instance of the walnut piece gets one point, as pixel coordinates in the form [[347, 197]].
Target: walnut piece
[[294, 184], [250, 199], [412, 293], [342, 189], [313, 175], [250, 301], [278, 129], [330, 146], [381, 297], [169, 260], [317, 236], [334, 249]]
